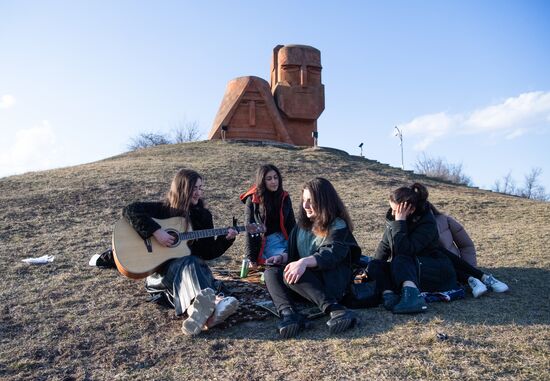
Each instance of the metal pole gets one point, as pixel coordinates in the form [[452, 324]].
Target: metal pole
[[399, 134]]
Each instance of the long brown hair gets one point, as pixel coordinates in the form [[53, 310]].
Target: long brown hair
[[327, 205], [178, 198], [270, 202]]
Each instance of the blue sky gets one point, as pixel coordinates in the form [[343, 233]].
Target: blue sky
[[468, 81]]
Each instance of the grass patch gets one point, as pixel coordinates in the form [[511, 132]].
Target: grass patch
[[68, 321]]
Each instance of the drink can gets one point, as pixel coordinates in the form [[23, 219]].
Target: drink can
[[244, 268]]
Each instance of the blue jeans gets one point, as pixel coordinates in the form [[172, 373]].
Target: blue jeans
[[275, 244]]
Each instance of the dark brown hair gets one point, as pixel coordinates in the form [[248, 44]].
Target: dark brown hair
[[416, 195], [270, 202], [327, 205]]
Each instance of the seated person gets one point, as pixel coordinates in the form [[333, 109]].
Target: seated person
[[411, 231], [318, 266], [187, 282]]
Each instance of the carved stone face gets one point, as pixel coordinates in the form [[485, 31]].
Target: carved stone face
[[296, 82], [248, 111], [251, 107]]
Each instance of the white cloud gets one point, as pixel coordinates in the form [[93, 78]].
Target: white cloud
[[429, 128], [33, 149], [526, 109], [7, 101], [512, 118], [516, 133]]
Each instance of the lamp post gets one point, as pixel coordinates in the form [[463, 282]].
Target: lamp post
[[399, 134], [361, 146]]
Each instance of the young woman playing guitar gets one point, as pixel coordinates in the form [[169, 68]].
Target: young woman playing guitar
[[187, 282]]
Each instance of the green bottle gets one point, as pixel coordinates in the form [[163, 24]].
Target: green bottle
[[244, 268]]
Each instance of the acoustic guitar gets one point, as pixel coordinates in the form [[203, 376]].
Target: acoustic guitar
[[137, 258]]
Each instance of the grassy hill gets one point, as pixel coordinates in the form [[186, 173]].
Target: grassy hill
[[69, 321]]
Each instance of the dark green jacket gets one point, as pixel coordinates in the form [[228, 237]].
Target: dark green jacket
[[335, 257]]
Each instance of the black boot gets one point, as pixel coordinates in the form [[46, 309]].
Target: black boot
[[291, 323], [389, 300], [411, 302], [340, 320]]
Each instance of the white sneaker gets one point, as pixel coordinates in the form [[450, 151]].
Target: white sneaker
[[224, 308], [93, 260], [494, 284], [199, 311], [478, 288]]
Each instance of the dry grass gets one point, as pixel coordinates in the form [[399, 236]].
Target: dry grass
[[67, 321]]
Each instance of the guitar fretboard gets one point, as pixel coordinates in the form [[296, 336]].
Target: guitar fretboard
[[208, 233]]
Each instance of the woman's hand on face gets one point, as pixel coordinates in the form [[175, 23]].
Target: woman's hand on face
[[403, 210], [294, 271], [163, 238], [231, 233]]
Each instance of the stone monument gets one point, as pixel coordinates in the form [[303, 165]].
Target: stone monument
[[286, 112], [248, 111]]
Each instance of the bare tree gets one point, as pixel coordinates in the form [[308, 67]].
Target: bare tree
[[187, 132], [439, 168], [147, 139], [508, 185], [183, 132], [532, 188]]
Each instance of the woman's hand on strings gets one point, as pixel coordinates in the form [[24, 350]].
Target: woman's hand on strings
[[163, 238], [231, 233]]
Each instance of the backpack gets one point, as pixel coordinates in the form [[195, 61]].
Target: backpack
[[361, 292]]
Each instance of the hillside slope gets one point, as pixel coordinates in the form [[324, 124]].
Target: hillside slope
[[66, 320]]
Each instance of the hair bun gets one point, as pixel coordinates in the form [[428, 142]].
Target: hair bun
[[421, 191]]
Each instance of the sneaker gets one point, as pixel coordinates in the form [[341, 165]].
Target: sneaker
[[477, 286], [225, 307], [411, 302], [291, 323], [341, 320], [104, 259], [199, 311], [93, 260], [494, 284]]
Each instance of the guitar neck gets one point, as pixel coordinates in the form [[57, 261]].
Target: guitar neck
[[208, 233]]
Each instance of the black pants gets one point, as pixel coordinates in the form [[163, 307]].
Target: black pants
[[463, 269], [311, 286], [391, 275]]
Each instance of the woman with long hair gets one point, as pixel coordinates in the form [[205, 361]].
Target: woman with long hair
[[186, 282], [321, 252], [267, 203], [411, 232]]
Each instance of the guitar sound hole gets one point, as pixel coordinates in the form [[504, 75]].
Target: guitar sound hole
[[176, 236]]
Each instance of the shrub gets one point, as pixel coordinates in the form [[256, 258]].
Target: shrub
[[531, 189], [439, 168], [147, 139], [184, 132]]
